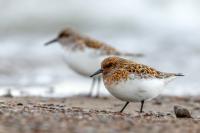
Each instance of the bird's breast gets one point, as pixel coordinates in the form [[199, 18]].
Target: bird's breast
[[136, 89], [84, 62]]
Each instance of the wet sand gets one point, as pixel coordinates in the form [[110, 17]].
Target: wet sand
[[82, 114]]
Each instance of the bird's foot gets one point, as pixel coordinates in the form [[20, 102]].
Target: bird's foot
[[118, 113], [140, 112]]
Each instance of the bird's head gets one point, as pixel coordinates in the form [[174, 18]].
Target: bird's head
[[63, 37], [108, 65]]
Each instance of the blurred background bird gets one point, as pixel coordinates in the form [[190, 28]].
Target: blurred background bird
[[84, 54]]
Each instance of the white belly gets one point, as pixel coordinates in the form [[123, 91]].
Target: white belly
[[83, 62], [137, 90]]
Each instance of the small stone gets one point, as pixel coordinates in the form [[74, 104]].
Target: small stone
[[19, 104], [181, 112]]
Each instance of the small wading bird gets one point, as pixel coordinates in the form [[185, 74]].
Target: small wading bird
[[84, 54], [133, 82]]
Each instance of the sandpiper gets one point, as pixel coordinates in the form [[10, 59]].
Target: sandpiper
[[133, 82], [84, 54]]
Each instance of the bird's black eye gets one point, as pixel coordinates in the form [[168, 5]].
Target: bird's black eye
[[64, 35], [108, 65]]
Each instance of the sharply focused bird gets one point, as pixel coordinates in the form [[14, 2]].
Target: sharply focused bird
[[130, 81]]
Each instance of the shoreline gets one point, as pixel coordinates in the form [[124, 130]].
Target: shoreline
[[83, 114]]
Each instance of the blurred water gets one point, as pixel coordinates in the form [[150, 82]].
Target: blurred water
[[166, 31]]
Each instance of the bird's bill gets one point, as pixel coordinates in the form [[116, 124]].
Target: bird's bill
[[97, 72], [52, 41]]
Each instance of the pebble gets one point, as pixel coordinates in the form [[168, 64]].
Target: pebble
[[181, 112], [19, 104]]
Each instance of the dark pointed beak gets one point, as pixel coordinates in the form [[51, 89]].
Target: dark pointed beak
[[52, 41], [97, 72]]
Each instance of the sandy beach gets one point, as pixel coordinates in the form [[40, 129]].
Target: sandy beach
[[81, 114]]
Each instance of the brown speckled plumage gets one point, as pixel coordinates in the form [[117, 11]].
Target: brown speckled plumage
[[81, 42], [106, 49], [116, 69]]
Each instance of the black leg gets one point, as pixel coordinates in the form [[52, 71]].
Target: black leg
[[98, 87], [142, 104], [124, 107], [92, 87]]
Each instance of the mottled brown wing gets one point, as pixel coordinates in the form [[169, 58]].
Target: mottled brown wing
[[144, 71], [104, 48], [108, 50]]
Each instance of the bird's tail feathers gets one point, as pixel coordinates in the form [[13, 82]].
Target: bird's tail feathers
[[179, 74], [130, 54]]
